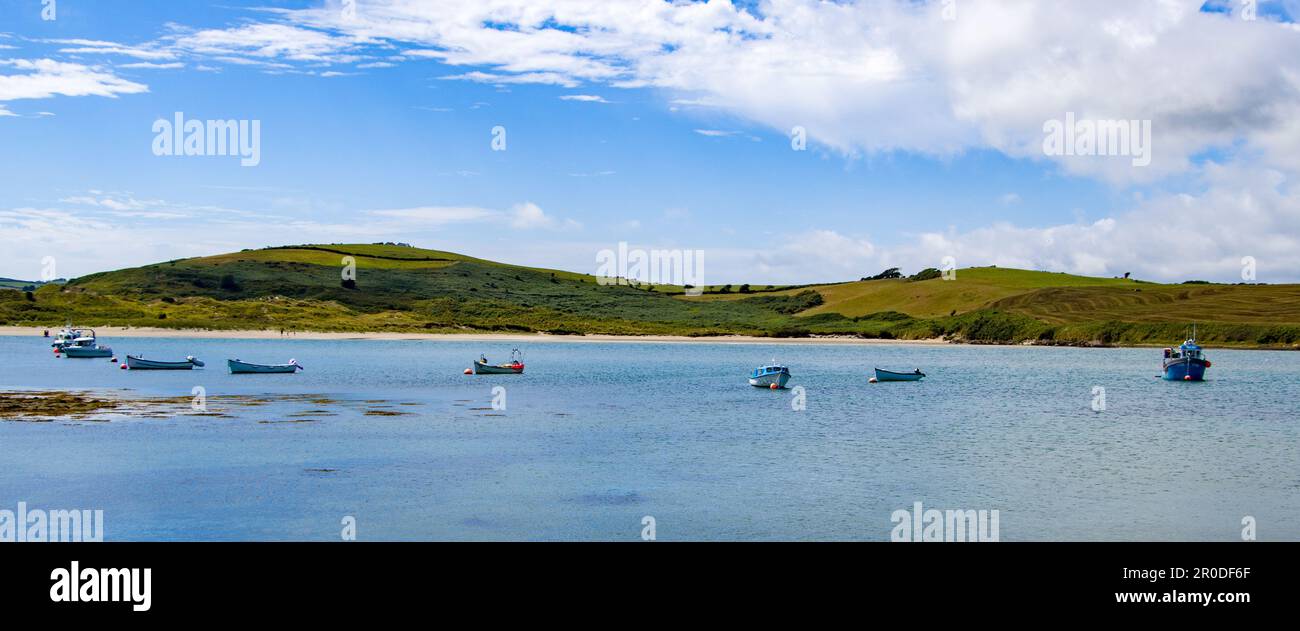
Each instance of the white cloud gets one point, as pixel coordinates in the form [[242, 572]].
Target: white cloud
[[586, 98], [99, 47], [252, 42], [522, 216], [1169, 237], [145, 65], [543, 78], [439, 215], [44, 78], [885, 75]]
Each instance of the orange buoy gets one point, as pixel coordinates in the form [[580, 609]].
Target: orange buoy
[[871, 380], [469, 371], [774, 387]]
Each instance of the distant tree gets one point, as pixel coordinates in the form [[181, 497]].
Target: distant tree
[[925, 274], [744, 289], [228, 283], [889, 273], [726, 289], [31, 297], [1126, 275]]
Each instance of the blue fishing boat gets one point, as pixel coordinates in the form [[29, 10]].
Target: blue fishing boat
[[1186, 363], [770, 376], [892, 375], [238, 367]]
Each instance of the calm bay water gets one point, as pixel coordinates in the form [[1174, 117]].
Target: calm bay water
[[597, 435]]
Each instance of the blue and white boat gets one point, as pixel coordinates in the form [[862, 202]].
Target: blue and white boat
[[1186, 363], [769, 376], [238, 367], [893, 375], [138, 362]]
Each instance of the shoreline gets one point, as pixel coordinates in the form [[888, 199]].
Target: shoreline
[[253, 334], [113, 331]]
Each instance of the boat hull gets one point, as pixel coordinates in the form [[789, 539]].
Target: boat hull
[[1185, 370], [80, 351], [245, 368], [140, 363], [506, 369], [889, 375], [766, 381]]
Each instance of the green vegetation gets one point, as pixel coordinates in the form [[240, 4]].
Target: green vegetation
[[404, 289], [26, 285]]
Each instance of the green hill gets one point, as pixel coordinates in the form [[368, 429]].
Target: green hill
[[406, 289]]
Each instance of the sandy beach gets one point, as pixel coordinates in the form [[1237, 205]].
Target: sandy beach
[[108, 332]]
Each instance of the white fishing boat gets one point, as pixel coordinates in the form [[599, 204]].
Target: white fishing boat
[[515, 367], [85, 346], [137, 362], [770, 376], [242, 367], [67, 335]]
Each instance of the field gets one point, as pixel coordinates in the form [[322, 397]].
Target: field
[[402, 289]]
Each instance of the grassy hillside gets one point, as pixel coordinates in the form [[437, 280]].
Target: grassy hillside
[[399, 288], [396, 288], [24, 285]]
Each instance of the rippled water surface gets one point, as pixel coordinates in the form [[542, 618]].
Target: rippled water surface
[[597, 435]]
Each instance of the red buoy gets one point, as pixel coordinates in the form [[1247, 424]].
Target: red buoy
[[1187, 377], [122, 366], [469, 371], [774, 387]]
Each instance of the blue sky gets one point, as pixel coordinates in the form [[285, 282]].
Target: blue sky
[[675, 133]]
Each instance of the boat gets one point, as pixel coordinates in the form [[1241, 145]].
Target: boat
[[1185, 363], [772, 375], [67, 335], [890, 375], [242, 367], [85, 346], [138, 362], [515, 367]]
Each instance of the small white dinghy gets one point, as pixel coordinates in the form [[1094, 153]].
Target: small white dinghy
[[138, 362], [242, 367]]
